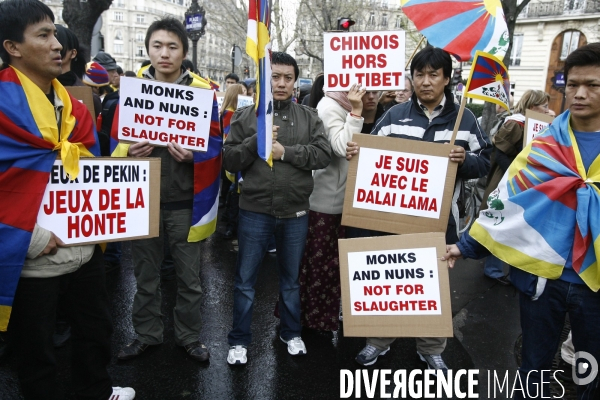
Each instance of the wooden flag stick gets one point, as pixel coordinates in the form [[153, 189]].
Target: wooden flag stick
[[414, 52], [461, 111]]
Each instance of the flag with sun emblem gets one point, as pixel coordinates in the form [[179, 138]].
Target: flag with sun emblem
[[461, 27], [489, 80]]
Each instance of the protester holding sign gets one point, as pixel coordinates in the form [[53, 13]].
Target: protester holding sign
[[430, 116], [185, 219], [508, 142], [343, 114], [543, 221], [41, 122]]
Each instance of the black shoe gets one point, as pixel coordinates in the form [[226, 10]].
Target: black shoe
[[62, 333], [564, 371], [132, 350], [197, 351], [503, 280]]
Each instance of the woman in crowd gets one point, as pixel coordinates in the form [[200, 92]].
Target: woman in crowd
[[343, 115], [508, 142], [227, 109]]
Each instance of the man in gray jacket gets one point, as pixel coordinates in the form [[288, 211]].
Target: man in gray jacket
[[274, 201]]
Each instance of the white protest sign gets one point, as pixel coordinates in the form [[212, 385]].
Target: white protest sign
[[164, 112], [110, 200], [394, 282], [244, 101], [400, 183], [535, 123], [373, 59]]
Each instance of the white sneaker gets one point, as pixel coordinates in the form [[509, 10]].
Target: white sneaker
[[120, 393], [237, 355], [295, 346]]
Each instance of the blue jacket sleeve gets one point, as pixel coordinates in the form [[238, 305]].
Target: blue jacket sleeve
[[471, 248]]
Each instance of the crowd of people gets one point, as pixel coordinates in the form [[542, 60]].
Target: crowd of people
[[293, 207]]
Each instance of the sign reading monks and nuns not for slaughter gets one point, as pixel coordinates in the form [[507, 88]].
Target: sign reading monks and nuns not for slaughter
[[373, 59], [400, 183], [164, 112], [394, 282], [112, 199]]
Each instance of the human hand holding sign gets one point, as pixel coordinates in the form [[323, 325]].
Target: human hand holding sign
[[458, 155], [140, 149], [53, 244], [355, 96], [179, 153], [452, 254], [351, 150]]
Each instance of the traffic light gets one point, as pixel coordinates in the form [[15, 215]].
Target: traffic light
[[246, 70], [344, 24], [457, 78]]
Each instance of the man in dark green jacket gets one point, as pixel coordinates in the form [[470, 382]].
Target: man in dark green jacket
[[274, 201]]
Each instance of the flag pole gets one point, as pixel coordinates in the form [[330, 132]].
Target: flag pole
[[461, 111], [414, 52]]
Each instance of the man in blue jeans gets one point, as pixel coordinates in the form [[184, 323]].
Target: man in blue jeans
[[545, 225], [274, 201]]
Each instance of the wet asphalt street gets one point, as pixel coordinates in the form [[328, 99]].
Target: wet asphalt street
[[485, 323]]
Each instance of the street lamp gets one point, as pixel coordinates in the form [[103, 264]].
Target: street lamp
[[195, 21]]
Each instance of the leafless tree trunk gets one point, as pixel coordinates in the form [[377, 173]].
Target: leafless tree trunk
[[82, 16]]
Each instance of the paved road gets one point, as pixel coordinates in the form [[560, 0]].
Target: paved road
[[485, 323]]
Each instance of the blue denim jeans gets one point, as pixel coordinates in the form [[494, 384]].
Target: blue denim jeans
[[254, 232], [494, 267], [542, 322]]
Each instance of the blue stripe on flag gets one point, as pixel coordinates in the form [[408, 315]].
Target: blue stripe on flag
[[441, 29], [17, 109]]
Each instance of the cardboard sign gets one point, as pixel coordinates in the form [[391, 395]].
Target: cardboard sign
[[84, 95], [535, 123], [373, 59], [112, 199], [399, 186], [395, 286], [164, 112]]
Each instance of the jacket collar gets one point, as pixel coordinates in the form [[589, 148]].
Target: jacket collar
[[448, 107], [282, 104], [184, 79]]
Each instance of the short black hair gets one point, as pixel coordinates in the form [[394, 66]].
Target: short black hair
[[16, 16], [188, 65], [130, 74], [170, 25], [69, 41], [433, 57], [233, 76], [582, 57], [280, 58]]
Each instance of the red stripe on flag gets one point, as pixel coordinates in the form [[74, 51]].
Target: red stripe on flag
[[561, 189], [21, 135], [466, 41], [19, 201], [441, 11], [205, 173]]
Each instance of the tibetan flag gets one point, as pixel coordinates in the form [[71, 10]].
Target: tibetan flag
[[543, 217], [29, 144], [207, 182], [461, 27], [489, 80], [258, 47]]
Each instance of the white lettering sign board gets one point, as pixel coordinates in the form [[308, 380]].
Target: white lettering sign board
[[394, 282], [112, 199], [400, 183], [163, 112], [535, 123], [373, 59]]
